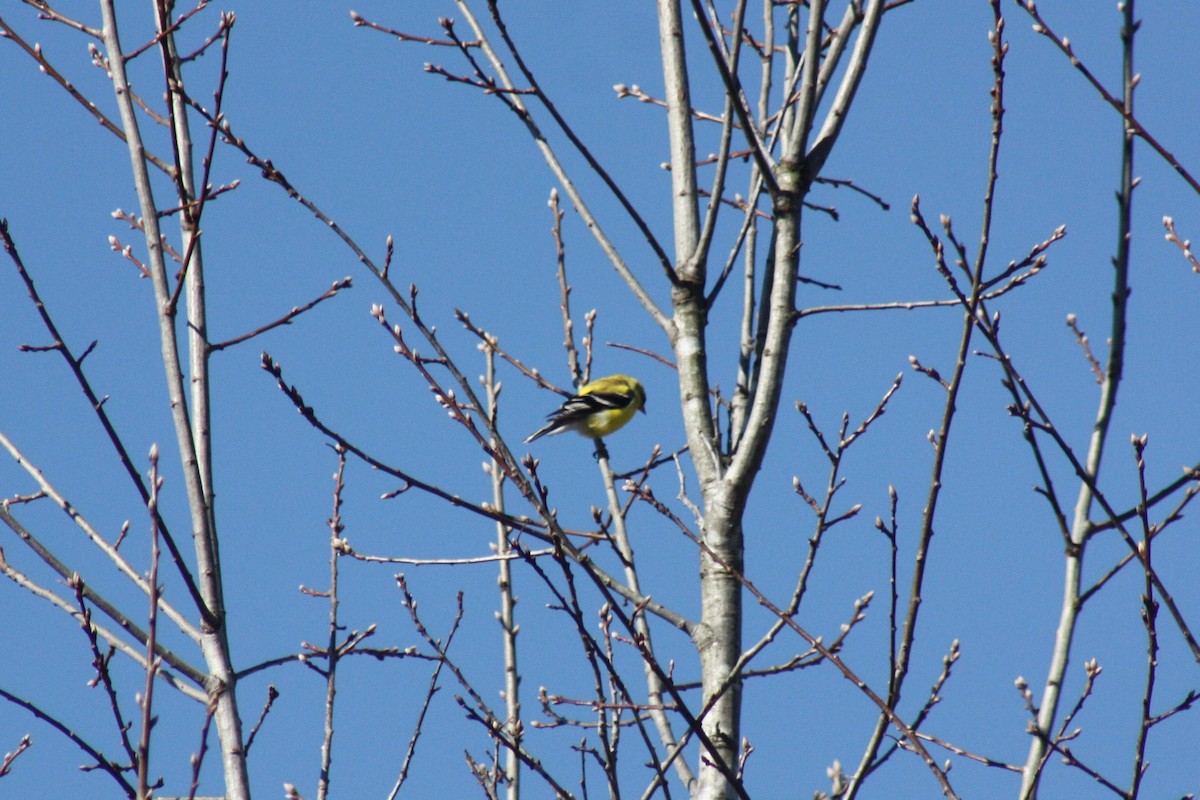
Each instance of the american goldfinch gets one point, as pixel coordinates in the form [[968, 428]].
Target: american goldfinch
[[600, 407]]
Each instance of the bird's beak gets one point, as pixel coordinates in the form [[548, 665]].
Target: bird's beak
[[643, 408]]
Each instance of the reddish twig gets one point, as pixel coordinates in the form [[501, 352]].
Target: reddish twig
[[1064, 44], [1184, 245], [287, 318]]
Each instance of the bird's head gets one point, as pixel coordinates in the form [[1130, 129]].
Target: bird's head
[[640, 393]]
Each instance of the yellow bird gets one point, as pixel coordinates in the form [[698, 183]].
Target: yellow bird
[[598, 409]]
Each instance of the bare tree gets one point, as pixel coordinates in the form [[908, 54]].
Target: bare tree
[[727, 298]]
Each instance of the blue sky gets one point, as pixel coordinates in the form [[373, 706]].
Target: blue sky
[[349, 116]]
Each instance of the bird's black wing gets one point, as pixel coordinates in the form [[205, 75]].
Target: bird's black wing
[[578, 408]]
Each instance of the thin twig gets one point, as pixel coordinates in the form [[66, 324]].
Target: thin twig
[[287, 318], [1126, 111], [35, 52], [76, 366], [1185, 245]]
